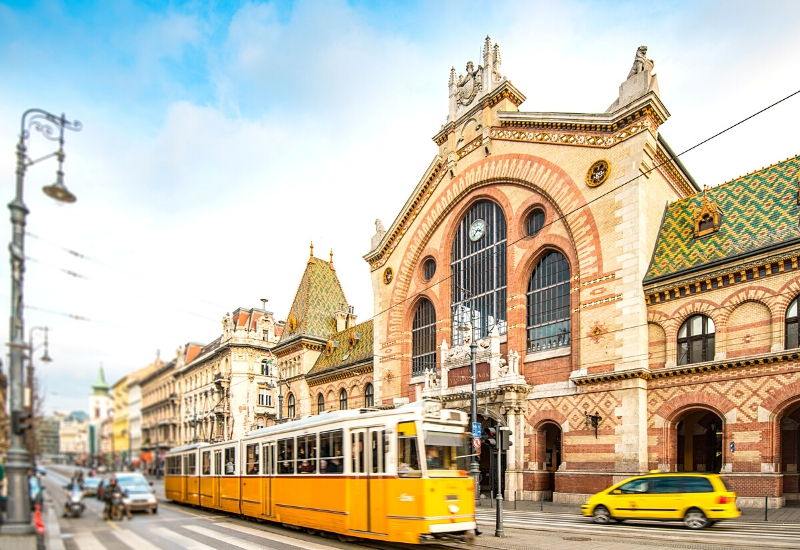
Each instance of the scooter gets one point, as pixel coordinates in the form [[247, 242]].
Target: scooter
[[75, 503]]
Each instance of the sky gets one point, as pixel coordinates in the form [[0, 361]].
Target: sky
[[220, 138]]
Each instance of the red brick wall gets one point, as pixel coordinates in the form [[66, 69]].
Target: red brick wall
[[586, 483], [755, 486]]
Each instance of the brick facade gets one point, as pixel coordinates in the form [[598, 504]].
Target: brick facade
[[621, 361]]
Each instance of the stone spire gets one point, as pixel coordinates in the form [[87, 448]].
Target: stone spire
[[467, 89], [100, 387]]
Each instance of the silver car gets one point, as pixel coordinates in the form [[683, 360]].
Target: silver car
[[139, 493]]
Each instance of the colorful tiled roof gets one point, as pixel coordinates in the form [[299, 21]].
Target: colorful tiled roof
[[318, 297], [757, 210], [346, 350]]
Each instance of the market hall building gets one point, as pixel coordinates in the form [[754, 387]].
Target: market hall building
[[626, 319]]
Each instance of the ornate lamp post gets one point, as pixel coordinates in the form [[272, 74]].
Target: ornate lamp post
[[18, 512], [474, 468]]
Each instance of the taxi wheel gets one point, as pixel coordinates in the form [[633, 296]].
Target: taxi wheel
[[695, 519], [601, 515]]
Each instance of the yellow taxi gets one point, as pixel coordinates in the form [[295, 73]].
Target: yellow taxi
[[698, 499]]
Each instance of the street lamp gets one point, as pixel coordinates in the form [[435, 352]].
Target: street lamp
[[30, 399], [474, 469], [18, 509]]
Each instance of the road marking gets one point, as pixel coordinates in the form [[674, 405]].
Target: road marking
[[180, 540], [134, 541], [301, 543], [87, 541]]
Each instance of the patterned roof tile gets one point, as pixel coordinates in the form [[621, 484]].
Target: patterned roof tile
[[758, 210], [346, 351]]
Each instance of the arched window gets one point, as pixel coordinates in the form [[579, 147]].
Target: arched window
[[423, 338], [792, 340], [343, 400], [548, 304], [369, 396], [320, 403], [696, 340], [478, 269], [290, 409]]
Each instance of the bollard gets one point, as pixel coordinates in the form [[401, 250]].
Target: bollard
[[541, 501], [491, 499], [515, 500], [766, 507]]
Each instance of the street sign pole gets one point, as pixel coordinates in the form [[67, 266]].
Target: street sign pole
[[498, 530]]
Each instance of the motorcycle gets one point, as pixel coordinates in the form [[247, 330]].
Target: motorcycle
[[75, 503], [117, 506]]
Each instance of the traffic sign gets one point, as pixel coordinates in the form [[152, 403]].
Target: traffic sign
[[476, 443], [477, 430]]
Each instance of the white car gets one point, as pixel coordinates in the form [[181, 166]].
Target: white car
[[140, 494]]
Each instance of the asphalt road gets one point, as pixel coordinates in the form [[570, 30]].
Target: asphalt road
[[177, 527]]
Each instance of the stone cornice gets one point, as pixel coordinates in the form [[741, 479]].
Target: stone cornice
[[340, 373], [224, 347], [728, 276], [684, 370], [299, 342]]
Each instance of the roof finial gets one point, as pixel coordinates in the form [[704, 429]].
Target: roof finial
[[331, 262], [311, 250]]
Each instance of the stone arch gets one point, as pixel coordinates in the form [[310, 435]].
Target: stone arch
[[670, 413], [748, 329], [776, 406], [527, 171]]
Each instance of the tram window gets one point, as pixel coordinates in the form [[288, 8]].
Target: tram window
[[357, 439], [268, 468], [217, 463], [286, 456], [376, 445], [230, 461], [307, 454], [206, 463], [191, 465], [174, 465], [331, 452], [407, 450], [252, 460], [442, 450]]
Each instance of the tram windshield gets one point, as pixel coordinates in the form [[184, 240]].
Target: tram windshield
[[446, 453]]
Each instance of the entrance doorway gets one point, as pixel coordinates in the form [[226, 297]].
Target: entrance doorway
[[549, 456], [790, 452], [699, 438]]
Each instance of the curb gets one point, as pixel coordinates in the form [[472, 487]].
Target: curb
[[52, 529]]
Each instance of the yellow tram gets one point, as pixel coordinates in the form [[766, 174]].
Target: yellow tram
[[397, 475]]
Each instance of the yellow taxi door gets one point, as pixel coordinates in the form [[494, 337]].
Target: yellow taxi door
[[664, 498], [627, 500]]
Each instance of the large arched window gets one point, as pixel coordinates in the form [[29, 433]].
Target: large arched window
[[320, 403], [343, 400], [696, 340], [423, 338], [792, 340], [369, 396], [548, 304], [290, 408], [478, 269]]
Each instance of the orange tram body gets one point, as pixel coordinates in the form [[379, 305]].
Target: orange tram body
[[397, 475]]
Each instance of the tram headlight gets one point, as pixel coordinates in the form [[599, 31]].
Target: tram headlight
[[453, 509]]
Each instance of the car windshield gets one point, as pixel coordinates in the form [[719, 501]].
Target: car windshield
[[446, 452], [91, 482]]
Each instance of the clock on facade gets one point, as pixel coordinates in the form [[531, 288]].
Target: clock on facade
[[477, 230]]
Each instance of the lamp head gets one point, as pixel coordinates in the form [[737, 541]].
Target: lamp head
[[58, 191], [46, 358], [465, 327]]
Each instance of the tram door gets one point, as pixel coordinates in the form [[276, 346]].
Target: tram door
[[269, 471], [367, 489], [185, 479], [376, 488], [217, 478], [359, 505]]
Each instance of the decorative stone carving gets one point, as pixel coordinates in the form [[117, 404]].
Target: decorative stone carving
[[639, 82], [380, 231], [227, 326], [466, 89], [640, 62]]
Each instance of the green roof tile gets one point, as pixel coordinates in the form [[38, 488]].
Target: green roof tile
[[758, 210], [318, 297], [344, 355]]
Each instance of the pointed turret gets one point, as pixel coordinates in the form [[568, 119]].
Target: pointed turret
[[101, 387]]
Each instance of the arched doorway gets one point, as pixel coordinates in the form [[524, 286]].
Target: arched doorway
[[699, 442], [790, 451], [549, 457]]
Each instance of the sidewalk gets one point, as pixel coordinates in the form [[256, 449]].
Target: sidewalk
[[787, 514]]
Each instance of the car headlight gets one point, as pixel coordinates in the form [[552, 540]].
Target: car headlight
[[151, 499]]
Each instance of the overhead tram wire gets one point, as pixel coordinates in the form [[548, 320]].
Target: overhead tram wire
[[89, 259], [603, 195]]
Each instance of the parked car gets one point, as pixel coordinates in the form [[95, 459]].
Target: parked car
[[139, 492], [698, 499], [90, 486]]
